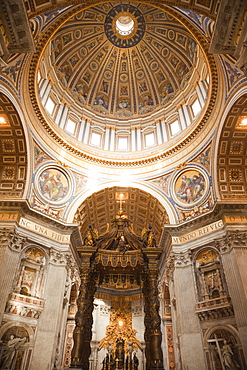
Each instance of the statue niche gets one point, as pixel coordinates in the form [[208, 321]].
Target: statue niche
[[26, 298], [223, 350], [31, 273], [14, 348], [209, 275], [120, 341]]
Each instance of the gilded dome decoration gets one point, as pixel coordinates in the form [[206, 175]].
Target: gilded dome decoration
[[124, 77], [124, 26], [123, 142], [123, 61]]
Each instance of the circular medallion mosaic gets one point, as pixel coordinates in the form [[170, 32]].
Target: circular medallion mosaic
[[94, 66], [190, 187], [140, 74], [83, 51], [53, 185], [124, 26], [77, 34], [154, 66]]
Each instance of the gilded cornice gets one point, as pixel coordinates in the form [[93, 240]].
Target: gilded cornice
[[208, 12], [43, 40], [216, 214], [22, 209]]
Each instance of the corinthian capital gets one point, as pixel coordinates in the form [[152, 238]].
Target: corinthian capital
[[58, 258], [183, 259], [5, 236], [16, 242], [234, 239]]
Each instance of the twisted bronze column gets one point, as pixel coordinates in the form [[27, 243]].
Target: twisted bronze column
[[84, 320], [152, 321]]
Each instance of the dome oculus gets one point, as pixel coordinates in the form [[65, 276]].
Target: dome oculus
[[124, 26]]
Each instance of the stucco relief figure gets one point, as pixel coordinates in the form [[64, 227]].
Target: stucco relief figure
[[27, 279], [10, 350], [151, 239], [228, 357], [210, 279], [190, 186]]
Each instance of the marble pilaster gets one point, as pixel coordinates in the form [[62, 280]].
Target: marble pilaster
[[234, 256], [48, 332], [11, 246], [187, 324]]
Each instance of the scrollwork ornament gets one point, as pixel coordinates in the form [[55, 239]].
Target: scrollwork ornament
[[5, 236], [183, 259], [58, 258], [66, 286], [231, 240], [71, 266], [238, 239], [169, 267], [224, 244], [16, 242]]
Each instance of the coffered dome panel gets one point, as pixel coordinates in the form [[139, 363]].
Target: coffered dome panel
[[123, 73], [123, 78]]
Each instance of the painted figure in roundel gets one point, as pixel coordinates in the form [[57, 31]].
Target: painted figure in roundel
[[53, 184], [190, 186]]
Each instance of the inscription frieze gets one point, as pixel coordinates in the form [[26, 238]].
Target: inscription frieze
[[45, 231], [176, 240], [235, 218]]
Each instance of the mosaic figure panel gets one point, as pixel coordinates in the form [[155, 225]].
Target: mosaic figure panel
[[190, 186], [53, 185]]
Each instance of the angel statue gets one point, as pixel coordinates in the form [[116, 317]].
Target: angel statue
[[91, 236], [148, 238]]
